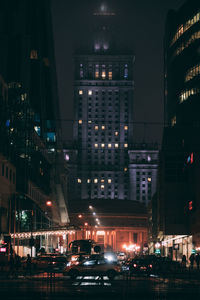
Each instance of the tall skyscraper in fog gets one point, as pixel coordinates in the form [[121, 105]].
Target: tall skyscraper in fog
[[103, 95]]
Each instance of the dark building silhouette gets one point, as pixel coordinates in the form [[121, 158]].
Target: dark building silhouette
[[30, 129], [180, 148]]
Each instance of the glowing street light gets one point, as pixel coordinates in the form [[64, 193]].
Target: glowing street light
[[157, 245], [90, 207], [48, 203]]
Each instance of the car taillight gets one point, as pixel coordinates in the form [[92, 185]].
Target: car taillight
[[134, 265]]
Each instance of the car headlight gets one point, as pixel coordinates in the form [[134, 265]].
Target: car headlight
[[68, 264]]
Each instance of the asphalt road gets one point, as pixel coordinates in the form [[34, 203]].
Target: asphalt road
[[41, 287]]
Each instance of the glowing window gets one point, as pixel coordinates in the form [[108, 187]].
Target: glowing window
[[23, 97], [97, 74], [95, 180], [80, 92], [110, 75], [96, 127], [116, 145], [79, 180], [102, 145], [184, 27], [125, 127], [116, 132], [89, 180], [34, 54], [102, 180], [125, 169], [125, 145], [149, 179], [102, 186], [109, 145], [96, 145], [80, 121], [90, 92], [109, 180], [103, 127], [103, 75], [125, 73], [194, 71], [148, 158]]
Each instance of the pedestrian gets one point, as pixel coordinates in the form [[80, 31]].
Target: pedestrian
[[183, 261], [192, 258], [197, 259], [28, 264]]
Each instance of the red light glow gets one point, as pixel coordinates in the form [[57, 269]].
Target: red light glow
[[190, 205], [49, 203], [192, 158]]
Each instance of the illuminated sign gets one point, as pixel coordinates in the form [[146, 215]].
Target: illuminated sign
[[3, 250], [157, 251], [100, 232]]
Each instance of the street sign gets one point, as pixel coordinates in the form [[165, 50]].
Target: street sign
[[157, 251]]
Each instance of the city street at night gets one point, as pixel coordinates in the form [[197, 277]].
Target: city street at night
[[99, 149], [96, 288]]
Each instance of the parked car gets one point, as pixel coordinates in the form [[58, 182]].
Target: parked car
[[93, 267]]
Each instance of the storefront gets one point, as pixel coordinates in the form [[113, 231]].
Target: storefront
[[177, 246]]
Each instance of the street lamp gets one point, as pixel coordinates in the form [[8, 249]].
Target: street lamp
[[48, 203]]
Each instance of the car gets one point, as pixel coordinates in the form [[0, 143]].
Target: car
[[49, 263], [139, 266], [164, 265], [98, 267]]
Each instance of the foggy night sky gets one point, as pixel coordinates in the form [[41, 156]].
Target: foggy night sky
[[141, 24]]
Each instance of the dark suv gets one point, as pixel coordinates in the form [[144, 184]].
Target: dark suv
[[139, 266]]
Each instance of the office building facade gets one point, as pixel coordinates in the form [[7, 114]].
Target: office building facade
[[30, 129], [180, 148]]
